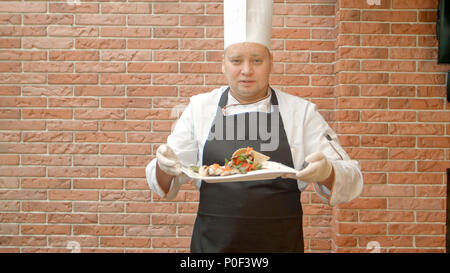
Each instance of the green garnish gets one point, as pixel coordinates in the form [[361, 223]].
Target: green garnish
[[195, 168]]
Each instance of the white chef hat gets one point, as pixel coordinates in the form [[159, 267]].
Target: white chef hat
[[247, 21]]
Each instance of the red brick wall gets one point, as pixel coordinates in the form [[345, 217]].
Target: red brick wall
[[87, 93]]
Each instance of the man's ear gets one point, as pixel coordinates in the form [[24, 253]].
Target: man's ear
[[271, 62], [223, 65]]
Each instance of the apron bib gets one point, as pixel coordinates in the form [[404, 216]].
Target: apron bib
[[250, 216]]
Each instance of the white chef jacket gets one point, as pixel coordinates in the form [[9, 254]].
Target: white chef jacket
[[306, 130]]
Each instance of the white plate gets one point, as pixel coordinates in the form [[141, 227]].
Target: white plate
[[270, 170]]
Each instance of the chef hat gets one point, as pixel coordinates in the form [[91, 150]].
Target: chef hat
[[247, 21]]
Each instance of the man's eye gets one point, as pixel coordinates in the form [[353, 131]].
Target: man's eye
[[235, 61], [257, 61]]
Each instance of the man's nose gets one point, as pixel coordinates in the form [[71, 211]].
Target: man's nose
[[247, 68]]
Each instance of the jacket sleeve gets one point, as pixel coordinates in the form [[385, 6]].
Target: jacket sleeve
[[318, 136], [183, 143]]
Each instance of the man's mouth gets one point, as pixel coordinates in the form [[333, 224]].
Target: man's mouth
[[247, 81]]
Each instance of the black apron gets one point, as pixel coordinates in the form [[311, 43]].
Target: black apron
[[251, 216]]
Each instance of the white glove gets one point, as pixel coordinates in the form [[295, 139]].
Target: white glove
[[318, 169], [168, 160]]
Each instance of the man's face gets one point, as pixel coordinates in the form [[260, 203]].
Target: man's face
[[247, 67]]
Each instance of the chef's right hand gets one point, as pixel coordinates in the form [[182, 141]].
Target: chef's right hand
[[167, 160]]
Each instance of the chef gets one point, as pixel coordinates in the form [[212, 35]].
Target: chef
[[261, 215]]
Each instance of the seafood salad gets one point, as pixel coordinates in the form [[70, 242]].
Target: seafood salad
[[242, 161]]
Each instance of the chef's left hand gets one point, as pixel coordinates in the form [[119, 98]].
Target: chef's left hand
[[318, 169]]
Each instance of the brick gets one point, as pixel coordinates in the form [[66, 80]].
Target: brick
[[72, 31], [92, 160], [48, 67], [10, 67], [432, 166], [412, 53], [46, 160], [23, 240], [171, 242], [416, 154], [23, 148], [366, 53], [362, 229], [393, 166], [384, 4], [99, 91], [122, 172], [397, 66], [388, 116], [124, 149], [200, 68], [100, 43], [153, 67], [126, 8], [309, 45], [150, 231], [80, 8], [72, 79], [98, 207], [47, 43], [389, 16], [301, 21], [415, 203], [99, 114], [125, 103], [9, 114], [45, 183], [416, 4], [99, 67], [124, 79], [416, 129], [72, 218], [173, 8], [96, 230], [363, 78], [434, 142], [416, 229], [100, 137], [23, 7], [14, 78], [388, 191], [47, 113], [128, 219], [417, 104], [58, 125], [22, 194], [78, 55], [431, 191], [415, 178], [362, 128], [388, 241], [46, 229], [22, 171], [403, 78], [9, 159], [358, 103], [124, 126]]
